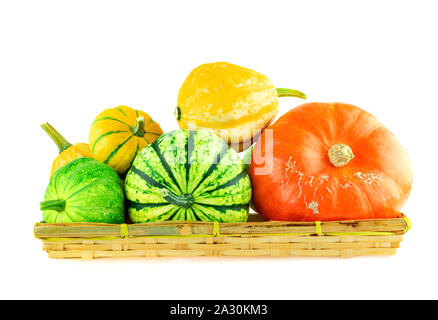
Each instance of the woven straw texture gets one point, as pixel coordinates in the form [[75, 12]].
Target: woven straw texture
[[254, 238]]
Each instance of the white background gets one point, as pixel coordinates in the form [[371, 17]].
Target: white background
[[64, 62]]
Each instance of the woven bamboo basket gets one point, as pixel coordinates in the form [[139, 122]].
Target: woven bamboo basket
[[254, 238]]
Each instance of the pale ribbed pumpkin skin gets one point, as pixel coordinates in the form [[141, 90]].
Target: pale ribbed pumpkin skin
[[112, 140], [230, 100]]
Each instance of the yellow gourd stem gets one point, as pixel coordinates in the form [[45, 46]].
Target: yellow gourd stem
[[283, 92], [138, 129], [60, 141]]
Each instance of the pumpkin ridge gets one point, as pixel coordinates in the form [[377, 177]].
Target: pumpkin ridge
[[202, 197], [110, 118], [362, 117], [110, 210], [187, 215], [140, 206], [166, 165], [103, 180], [114, 152], [174, 214], [166, 186], [72, 175], [148, 124], [190, 145], [384, 175], [67, 213], [136, 150], [229, 183], [104, 135], [367, 195], [151, 132], [370, 134], [147, 178], [123, 112], [213, 166], [82, 188], [205, 214], [194, 214], [234, 207]]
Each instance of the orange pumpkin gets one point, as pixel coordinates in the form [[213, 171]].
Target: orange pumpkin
[[329, 161], [67, 151]]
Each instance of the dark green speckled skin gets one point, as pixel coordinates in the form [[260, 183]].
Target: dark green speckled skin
[[92, 191]]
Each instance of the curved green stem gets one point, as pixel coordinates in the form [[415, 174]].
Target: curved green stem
[[138, 129], [60, 141], [58, 205], [184, 201], [283, 92]]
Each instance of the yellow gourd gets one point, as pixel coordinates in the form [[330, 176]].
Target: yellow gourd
[[234, 102], [118, 134], [67, 151]]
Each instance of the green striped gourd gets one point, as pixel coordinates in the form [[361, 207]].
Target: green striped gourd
[[188, 175], [118, 134], [84, 190]]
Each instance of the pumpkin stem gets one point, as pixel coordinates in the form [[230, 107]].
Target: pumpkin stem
[[58, 205], [283, 92], [340, 154], [60, 141], [184, 201], [138, 129], [177, 113]]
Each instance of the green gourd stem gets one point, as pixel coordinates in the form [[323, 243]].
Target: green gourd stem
[[60, 141], [58, 205], [283, 92], [184, 201], [138, 129]]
